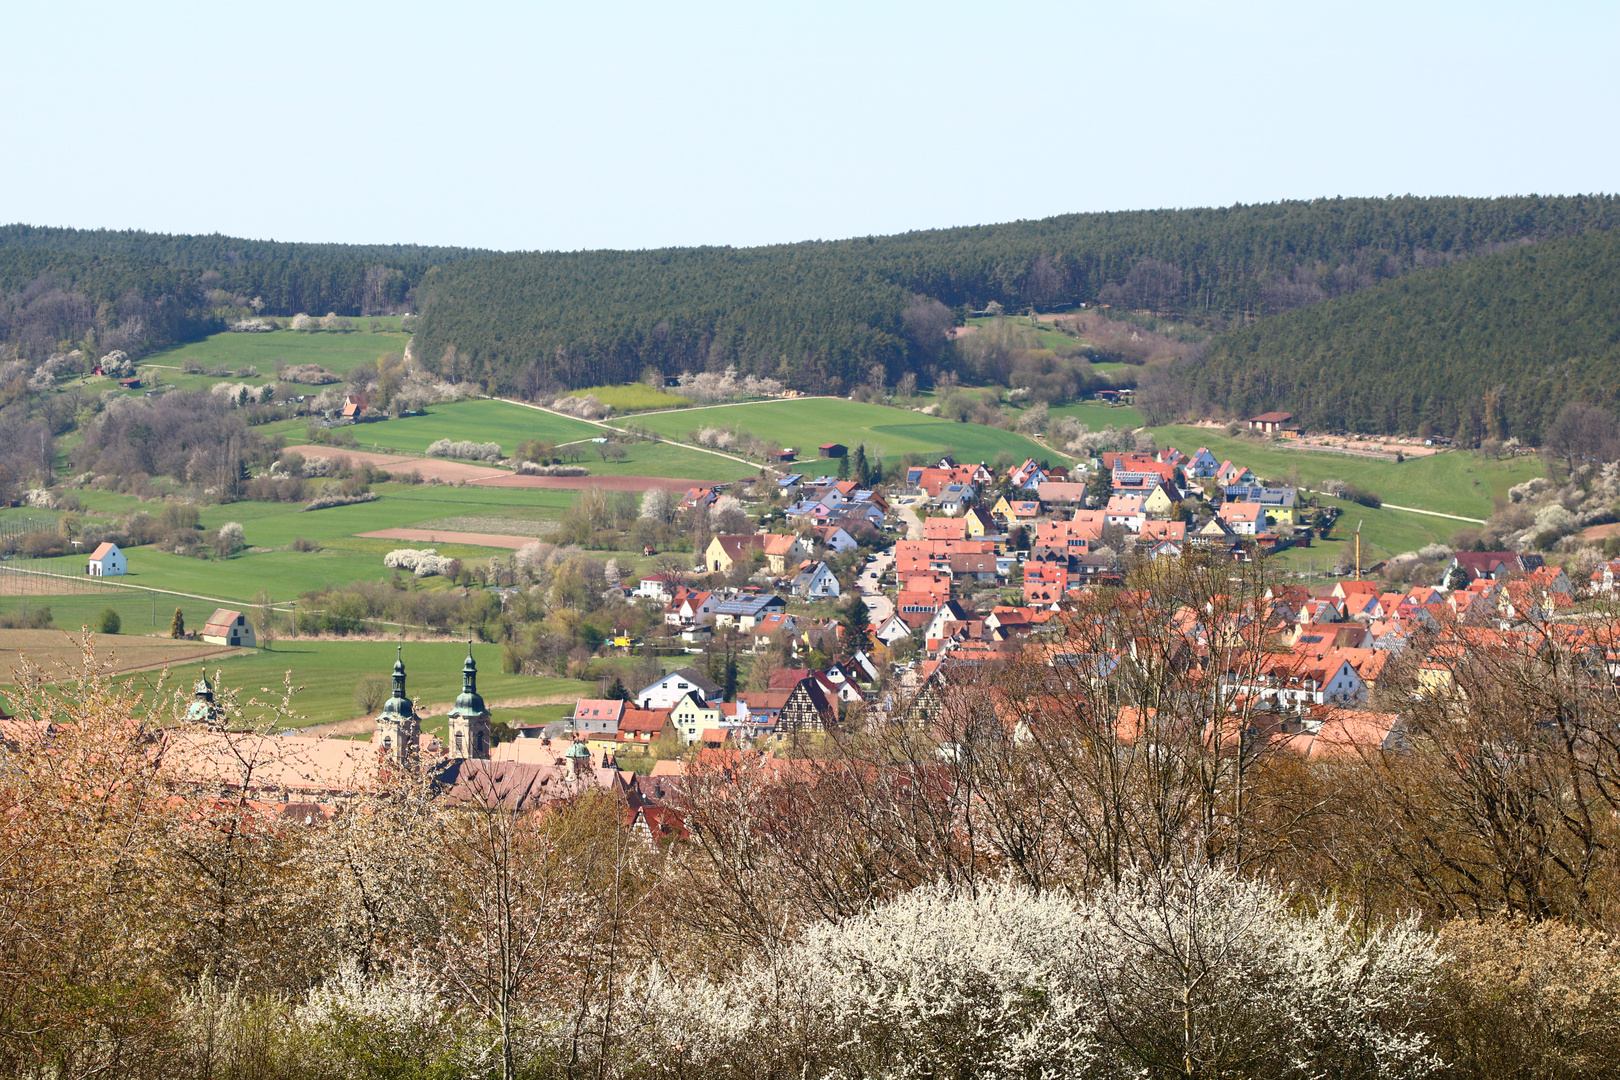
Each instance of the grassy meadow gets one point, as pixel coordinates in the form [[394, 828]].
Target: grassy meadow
[[1450, 483], [633, 397], [887, 432], [335, 351], [328, 672], [487, 420]]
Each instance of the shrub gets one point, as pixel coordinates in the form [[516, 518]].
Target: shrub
[[337, 498], [108, 622], [299, 543], [470, 451], [1010, 982]]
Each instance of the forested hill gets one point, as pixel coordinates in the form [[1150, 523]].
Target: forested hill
[[1490, 348], [143, 290], [820, 314]]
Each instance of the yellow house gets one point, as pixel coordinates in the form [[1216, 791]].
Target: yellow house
[[1159, 503], [691, 718], [724, 552], [979, 524], [1002, 511]]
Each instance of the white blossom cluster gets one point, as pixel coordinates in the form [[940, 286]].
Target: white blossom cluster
[[1187, 968], [708, 386], [241, 394], [471, 451], [117, 365], [423, 562], [530, 468], [587, 406]]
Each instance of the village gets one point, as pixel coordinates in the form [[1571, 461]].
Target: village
[[865, 604]]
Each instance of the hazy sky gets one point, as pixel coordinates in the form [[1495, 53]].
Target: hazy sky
[[644, 125]]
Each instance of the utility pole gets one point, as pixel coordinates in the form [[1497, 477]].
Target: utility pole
[[1358, 547]]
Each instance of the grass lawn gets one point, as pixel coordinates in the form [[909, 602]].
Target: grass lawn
[[632, 397], [886, 432], [336, 352], [1455, 482], [1383, 533], [328, 671]]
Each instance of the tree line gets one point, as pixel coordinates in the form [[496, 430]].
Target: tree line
[[140, 291], [821, 314], [1490, 349]]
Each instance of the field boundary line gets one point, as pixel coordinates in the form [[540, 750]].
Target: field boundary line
[[127, 585], [610, 427], [1434, 513]]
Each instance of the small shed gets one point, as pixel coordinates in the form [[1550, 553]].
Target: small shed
[[130, 384], [107, 561], [227, 627], [833, 450]]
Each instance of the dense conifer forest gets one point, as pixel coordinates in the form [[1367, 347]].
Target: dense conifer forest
[[1504, 311], [1488, 349], [819, 314], [141, 291]]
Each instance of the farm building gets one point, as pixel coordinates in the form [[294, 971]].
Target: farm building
[[1267, 423], [833, 449], [107, 561], [227, 627]]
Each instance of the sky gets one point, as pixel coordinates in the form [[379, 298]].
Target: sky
[[522, 126]]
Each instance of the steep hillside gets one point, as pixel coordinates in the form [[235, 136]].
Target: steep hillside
[[1490, 348], [819, 314], [141, 291]]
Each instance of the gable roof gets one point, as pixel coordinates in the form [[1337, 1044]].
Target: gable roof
[[102, 551]]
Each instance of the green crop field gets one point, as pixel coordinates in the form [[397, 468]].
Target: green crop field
[[633, 397], [328, 672], [336, 352], [1451, 483], [887, 432]]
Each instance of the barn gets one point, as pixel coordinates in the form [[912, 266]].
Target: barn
[[227, 627]]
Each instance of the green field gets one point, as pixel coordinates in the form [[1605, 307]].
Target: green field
[[336, 352], [1450, 483], [1097, 416], [344, 557], [1383, 533], [328, 671], [500, 421], [633, 397], [887, 432]]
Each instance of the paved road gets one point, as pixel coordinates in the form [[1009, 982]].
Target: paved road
[[871, 583]]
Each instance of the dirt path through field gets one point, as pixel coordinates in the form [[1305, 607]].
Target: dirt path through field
[[441, 536], [488, 476], [425, 467]]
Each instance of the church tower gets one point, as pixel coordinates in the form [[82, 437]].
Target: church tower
[[202, 709], [469, 732], [398, 727]]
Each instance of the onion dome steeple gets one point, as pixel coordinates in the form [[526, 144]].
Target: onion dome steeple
[[468, 702], [399, 704]]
